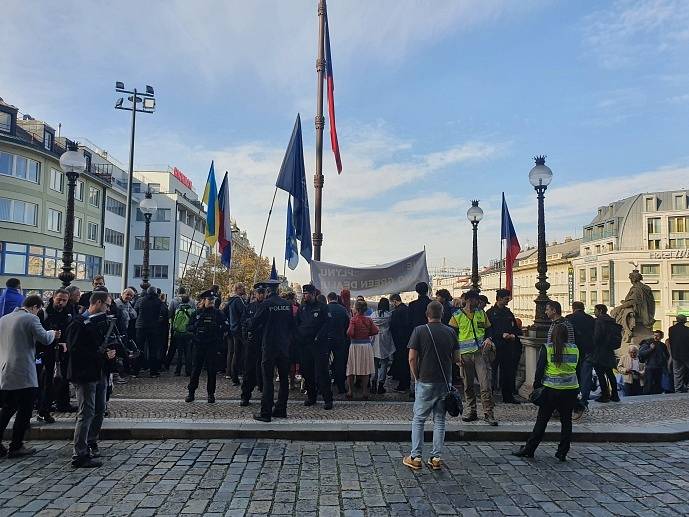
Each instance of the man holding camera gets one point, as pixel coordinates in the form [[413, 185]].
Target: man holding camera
[[87, 337]]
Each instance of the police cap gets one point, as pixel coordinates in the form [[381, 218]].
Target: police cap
[[207, 294], [308, 288]]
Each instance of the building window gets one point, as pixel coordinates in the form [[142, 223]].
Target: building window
[[54, 220], [582, 296], [40, 261], [192, 247], [650, 269], [5, 122], [154, 188], [136, 187], [679, 202], [594, 298], [605, 298], [48, 138], [56, 180], [678, 244], [20, 167], [679, 270], [77, 227], [587, 251], [156, 243], [79, 191], [653, 225], [582, 275], [588, 234], [20, 212], [656, 298], [650, 204], [678, 224], [593, 274], [115, 206], [113, 237], [94, 196], [161, 216], [653, 244], [112, 268], [154, 271], [680, 298], [87, 157], [610, 246], [605, 273], [92, 232]]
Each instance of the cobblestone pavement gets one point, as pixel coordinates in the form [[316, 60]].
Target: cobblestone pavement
[[252, 477], [162, 399]]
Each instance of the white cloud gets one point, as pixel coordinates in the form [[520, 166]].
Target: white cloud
[[627, 32]]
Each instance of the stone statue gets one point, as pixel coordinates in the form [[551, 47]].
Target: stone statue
[[637, 310]]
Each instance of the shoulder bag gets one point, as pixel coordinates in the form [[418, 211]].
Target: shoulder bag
[[453, 400]]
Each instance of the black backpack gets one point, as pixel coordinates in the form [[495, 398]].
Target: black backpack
[[615, 338]]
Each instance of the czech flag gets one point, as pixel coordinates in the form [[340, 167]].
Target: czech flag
[[225, 226], [512, 247], [210, 199], [331, 95]]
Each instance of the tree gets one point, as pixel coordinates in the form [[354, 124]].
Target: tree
[[245, 263]]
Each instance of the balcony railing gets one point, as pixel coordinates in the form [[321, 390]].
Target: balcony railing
[[597, 235]]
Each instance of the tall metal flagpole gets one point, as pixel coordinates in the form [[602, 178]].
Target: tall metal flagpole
[[193, 234], [500, 264], [318, 178], [265, 231]]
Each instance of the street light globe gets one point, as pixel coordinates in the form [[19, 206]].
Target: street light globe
[[148, 205], [540, 175], [475, 214], [73, 161]]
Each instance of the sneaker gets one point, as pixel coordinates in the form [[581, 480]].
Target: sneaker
[[228, 377], [490, 420], [211, 398], [244, 403], [86, 463], [560, 456], [412, 463], [94, 451], [235, 382], [46, 418], [190, 397], [435, 463], [22, 451], [261, 418], [470, 417], [328, 405]]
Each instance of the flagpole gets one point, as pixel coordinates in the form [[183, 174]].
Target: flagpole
[[318, 178], [184, 269], [500, 263], [502, 223], [215, 263], [265, 231]]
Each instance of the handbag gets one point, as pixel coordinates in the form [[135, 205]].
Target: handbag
[[453, 400], [537, 396]]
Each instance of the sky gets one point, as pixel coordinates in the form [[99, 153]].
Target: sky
[[438, 102]]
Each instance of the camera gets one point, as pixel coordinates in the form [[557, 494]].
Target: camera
[[112, 338]]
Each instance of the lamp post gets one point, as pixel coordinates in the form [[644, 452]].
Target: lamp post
[[148, 103], [540, 177], [72, 162], [148, 207], [475, 214]]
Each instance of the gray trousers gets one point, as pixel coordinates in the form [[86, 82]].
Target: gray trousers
[[681, 371], [91, 403]]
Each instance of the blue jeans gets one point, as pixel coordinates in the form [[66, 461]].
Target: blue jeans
[[585, 381], [429, 398]]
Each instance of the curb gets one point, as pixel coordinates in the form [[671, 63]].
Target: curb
[[368, 431]]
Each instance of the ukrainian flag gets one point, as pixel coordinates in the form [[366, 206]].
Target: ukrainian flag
[[210, 199]]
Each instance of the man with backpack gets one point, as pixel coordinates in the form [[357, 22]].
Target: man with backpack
[[607, 337], [181, 337]]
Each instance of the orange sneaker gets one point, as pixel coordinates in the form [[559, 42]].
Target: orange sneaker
[[435, 463], [412, 463]]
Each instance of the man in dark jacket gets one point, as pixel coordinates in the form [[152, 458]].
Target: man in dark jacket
[[604, 359], [208, 327], [401, 329], [653, 353], [97, 283], [252, 347], [679, 348], [275, 317], [55, 316], [417, 308], [312, 339], [505, 334], [234, 312], [583, 325], [149, 309], [88, 357], [337, 340], [444, 297]]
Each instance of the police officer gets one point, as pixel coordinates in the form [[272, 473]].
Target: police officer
[[207, 326], [252, 357], [312, 338], [274, 316]]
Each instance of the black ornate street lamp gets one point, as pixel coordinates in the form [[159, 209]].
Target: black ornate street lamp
[[148, 207], [475, 214], [72, 162], [540, 177]]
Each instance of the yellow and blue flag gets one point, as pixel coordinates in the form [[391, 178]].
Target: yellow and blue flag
[[210, 199]]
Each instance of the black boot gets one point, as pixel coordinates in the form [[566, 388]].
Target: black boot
[[381, 388], [523, 452], [190, 397]]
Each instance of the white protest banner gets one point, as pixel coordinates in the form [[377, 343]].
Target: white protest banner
[[394, 277]]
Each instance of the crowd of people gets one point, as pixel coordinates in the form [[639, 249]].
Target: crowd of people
[[95, 340]]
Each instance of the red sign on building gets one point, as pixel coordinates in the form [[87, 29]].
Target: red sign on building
[[182, 178]]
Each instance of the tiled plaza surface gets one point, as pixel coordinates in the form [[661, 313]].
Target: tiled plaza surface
[[306, 479]]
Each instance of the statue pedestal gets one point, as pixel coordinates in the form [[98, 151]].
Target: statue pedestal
[[533, 340], [639, 334]]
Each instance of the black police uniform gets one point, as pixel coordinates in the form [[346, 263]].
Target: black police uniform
[[275, 315], [252, 358], [52, 389], [207, 327], [312, 338]]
